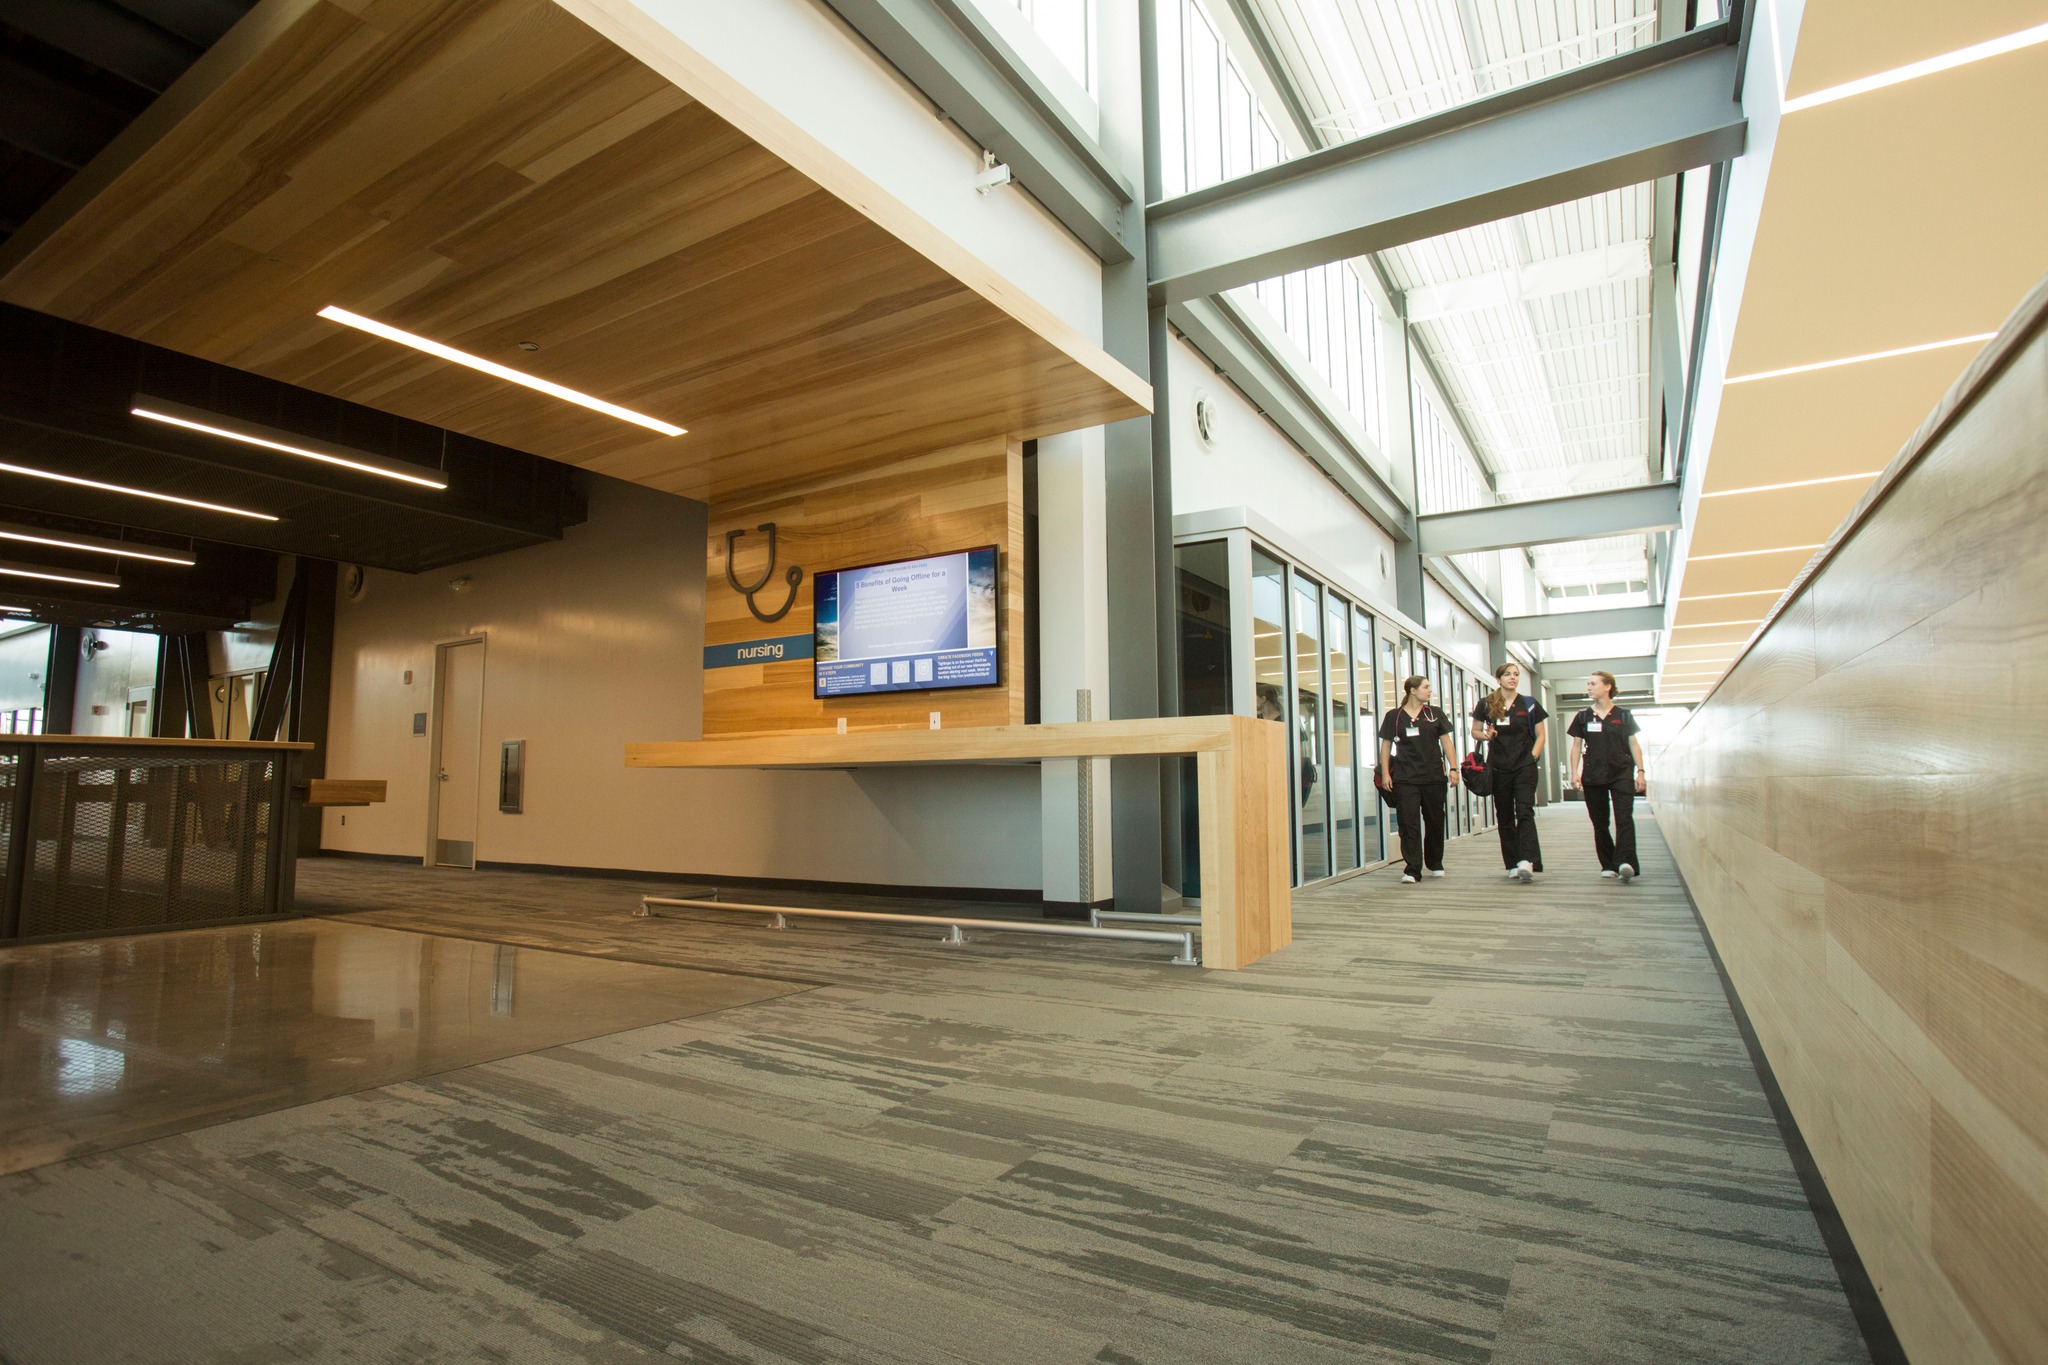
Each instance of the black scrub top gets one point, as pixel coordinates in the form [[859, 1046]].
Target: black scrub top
[[1418, 743], [1514, 733], [1607, 758]]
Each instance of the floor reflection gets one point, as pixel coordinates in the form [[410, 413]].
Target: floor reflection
[[112, 1041]]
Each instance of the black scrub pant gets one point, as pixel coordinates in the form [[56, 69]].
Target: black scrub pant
[[1620, 846], [1420, 806], [1514, 810]]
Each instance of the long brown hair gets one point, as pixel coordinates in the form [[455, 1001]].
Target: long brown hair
[[1408, 686], [1500, 699]]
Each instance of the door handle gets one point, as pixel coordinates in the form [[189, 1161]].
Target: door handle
[[444, 774]]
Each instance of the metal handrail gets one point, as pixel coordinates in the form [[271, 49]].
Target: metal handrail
[[1185, 941], [1096, 917]]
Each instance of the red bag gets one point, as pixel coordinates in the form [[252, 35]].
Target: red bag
[[1477, 777]]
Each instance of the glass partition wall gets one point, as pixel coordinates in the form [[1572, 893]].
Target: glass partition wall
[[1261, 636]]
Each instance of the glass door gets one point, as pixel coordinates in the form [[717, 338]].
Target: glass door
[[1370, 826], [1344, 790], [1269, 647], [1311, 736], [1202, 590]]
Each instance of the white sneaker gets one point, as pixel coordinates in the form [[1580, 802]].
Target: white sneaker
[[1407, 880], [1625, 872], [1438, 873], [1514, 874], [1524, 872], [1607, 874]]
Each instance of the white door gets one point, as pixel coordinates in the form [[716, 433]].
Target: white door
[[458, 753]]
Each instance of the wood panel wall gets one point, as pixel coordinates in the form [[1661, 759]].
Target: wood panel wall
[[951, 499], [1859, 810]]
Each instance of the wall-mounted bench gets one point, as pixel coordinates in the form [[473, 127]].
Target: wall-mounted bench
[[1241, 788]]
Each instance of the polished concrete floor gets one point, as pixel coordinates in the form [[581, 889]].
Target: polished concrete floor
[[1461, 1121], [110, 1041]]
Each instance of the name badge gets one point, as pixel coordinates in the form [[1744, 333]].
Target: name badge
[[1592, 727], [1508, 719], [1413, 732]]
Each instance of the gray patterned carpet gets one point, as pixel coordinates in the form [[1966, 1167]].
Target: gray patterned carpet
[[1463, 1121]]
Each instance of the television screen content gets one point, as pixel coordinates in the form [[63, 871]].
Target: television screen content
[[909, 626]]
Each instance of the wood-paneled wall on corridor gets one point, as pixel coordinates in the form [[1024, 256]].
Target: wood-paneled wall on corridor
[[1859, 809], [953, 499]]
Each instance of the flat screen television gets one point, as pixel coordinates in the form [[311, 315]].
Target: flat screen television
[[909, 625]]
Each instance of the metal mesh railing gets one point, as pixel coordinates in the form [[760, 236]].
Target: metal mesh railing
[[119, 840]]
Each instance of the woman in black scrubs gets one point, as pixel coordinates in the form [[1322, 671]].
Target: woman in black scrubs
[[1416, 747], [1607, 765], [1513, 726]]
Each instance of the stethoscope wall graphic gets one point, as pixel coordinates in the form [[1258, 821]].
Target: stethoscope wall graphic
[[792, 576]]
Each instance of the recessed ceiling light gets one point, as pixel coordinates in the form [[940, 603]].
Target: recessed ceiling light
[[1970, 340], [1745, 554], [492, 367], [1798, 483], [270, 438], [133, 492], [1947, 61], [13, 570], [99, 545]]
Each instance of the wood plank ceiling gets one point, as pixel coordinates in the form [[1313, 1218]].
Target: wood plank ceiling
[[495, 173]]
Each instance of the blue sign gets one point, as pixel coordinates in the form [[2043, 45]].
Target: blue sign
[[772, 651]]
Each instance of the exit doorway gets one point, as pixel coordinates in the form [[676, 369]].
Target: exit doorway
[[454, 776]]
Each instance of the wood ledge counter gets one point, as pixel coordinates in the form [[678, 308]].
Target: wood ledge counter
[[1241, 785], [980, 744]]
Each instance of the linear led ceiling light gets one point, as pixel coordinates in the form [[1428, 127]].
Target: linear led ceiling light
[[98, 545], [77, 482], [289, 443], [1717, 596], [1798, 483], [1745, 554], [1971, 340], [492, 367], [1947, 61], [83, 580]]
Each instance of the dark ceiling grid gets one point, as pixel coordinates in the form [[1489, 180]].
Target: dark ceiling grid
[[77, 72], [65, 394]]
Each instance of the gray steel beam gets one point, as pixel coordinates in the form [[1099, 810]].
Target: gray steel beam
[[1628, 670], [1561, 625], [1550, 521], [950, 51], [1235, 345], [1656, 111]]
